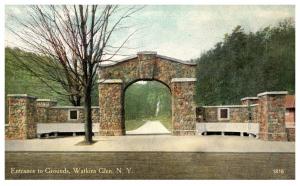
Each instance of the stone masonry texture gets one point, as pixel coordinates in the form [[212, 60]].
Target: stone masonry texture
[[22, 117], [147, 66], [268, 110], [249, 101], [272, 117], [25, 112], [183, 108], [61, 115], [291, 134], [236, 114], [43, 109], [111, 111]]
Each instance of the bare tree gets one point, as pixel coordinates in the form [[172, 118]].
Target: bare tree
[[71, 43], [49, 72]]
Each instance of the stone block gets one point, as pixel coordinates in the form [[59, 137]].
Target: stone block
[[272, 116], [22, 117]]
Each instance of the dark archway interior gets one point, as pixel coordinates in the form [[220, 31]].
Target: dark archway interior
[[147, 101]]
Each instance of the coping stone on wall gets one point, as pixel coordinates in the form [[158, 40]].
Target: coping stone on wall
[[110, 81], [176, 60], [225, 106], [183, 80], [228, 106], [72, 107], [248, 98], [147, 52], [21, 96], [272, 93], [46, 100]]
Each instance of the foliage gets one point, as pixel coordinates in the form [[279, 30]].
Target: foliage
[[19, 81], [245, 64], [141, 100]]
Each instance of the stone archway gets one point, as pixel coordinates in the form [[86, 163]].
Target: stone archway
[[177, 75]]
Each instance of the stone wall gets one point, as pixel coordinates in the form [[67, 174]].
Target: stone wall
[[60, 114], [26, 111], [237, 113], [46, 111], [249, 100], [267, 109], [183, 107], [272, 116], [111, 112], [177, 75], [148, 66], [254, 113], [22, 117], [43, 106], [210, 114], [290, 133]]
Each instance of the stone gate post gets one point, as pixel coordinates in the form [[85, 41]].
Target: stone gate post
[[110, 105], [271, 111], [22, 117], [183, 106]]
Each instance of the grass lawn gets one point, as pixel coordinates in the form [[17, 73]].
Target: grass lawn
[[136, 123]]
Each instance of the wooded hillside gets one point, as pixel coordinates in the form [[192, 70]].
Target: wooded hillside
[[245, 64]]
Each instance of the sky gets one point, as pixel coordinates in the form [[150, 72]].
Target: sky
[[182, 32]]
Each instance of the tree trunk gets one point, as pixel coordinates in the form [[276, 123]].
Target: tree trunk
[[78, 99], [88, 116], [75, 100]]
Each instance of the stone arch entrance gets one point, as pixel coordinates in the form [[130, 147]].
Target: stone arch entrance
[[177, 75]]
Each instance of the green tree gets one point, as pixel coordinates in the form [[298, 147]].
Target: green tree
[[141, 100], [244, 64]]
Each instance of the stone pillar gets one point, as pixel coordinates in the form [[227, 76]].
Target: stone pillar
[[22, 117], [271, 110], [251, 110], [111, 110], [249, 100], [183, 106], [42, 106]]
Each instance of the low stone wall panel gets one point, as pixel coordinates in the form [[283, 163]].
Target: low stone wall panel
[[239, 114], [61, 115]]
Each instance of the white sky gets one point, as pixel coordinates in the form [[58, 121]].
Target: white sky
[[183, 32]]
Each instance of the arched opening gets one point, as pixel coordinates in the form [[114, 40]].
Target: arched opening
[[147, 108]]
